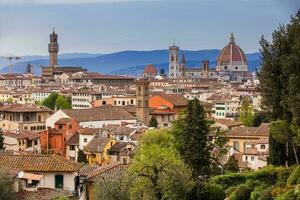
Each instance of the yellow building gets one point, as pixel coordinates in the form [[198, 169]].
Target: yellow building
[[238, 137], [97, 150]]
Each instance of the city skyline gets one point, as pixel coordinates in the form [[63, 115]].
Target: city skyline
[[111, 26]]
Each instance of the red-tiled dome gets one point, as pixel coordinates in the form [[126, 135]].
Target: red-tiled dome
[[150, 70], [231, 54]]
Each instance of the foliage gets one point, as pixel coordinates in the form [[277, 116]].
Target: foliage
[[242, 192], [62, 103], [232, 164], [191, 138], [294, 178], [246, 113], [9, 100], [81, 157], [157, 170], [267, 194], [227, 180], [153, 122], [49, 102], [280, 84], [261, 117], [1, 140], [55, 101], [112, 189], [214, 192], [6, 186], [229, 190]]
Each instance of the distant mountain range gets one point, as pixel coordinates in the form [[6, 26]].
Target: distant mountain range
[[124, 62]]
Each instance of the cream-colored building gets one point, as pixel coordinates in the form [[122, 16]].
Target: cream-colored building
[[23, 117]]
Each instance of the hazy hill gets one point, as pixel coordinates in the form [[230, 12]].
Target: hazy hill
[[126, 62]]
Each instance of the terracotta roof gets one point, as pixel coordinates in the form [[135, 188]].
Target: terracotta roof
[[123, 130], [97, 144], [263, 130], [119, 146], [89, 131], [102, 113], [231, 53], [228, 122], [38, 163], [175, 99], [150, 70], [30, 135], [15, 107], [109, 172], [87, 170], [41, 194], [263, 140], [73, 140], [63, 121]]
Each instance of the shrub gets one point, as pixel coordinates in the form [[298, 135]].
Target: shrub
[[255, 194], [230, 190], [243, 192], [230, 179], [267, 175], [215, 192], [267, 194], [279, 190], [290, 194], [294, 178], [233, 196]]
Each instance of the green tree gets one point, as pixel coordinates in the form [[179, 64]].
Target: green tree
[[49, 102], [62, 103], [153, 122], [116, 189], [1, 140], [261, 117], [157, 170], [6, 185], [232, 164], [191, 135], [81, 157], [246, 113], [280, 83]]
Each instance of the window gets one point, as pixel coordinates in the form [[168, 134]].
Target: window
[[72, 147], [35, 142], [39, 118], [263, 146], [60, 126], [85, 140], [246, 158], [59, 181], [252, 158], [70, 126]]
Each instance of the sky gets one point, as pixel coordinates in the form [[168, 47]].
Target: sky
[[105, 26]]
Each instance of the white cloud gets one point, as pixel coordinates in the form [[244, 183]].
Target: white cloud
[[49, 2]]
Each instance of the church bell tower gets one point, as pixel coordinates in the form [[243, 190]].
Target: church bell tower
[[142, 99], [53, 49], [173, 61]]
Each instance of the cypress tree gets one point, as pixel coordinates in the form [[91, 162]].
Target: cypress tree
[[1, 140], [191, 135]]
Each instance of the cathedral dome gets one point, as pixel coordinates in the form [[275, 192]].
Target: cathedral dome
[[150, 70], [231, 54]]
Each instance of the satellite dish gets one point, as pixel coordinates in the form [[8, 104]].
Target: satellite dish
[[20, 174]]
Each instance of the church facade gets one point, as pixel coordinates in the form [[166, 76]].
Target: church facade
[[231, 65]]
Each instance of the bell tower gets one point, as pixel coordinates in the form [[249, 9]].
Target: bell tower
[[142, 99], [53, 49], [173, 61]]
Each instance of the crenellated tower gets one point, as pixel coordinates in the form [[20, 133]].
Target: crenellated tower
[[53, 49]]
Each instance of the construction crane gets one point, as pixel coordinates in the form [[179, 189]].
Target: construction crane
[[10, 59]]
